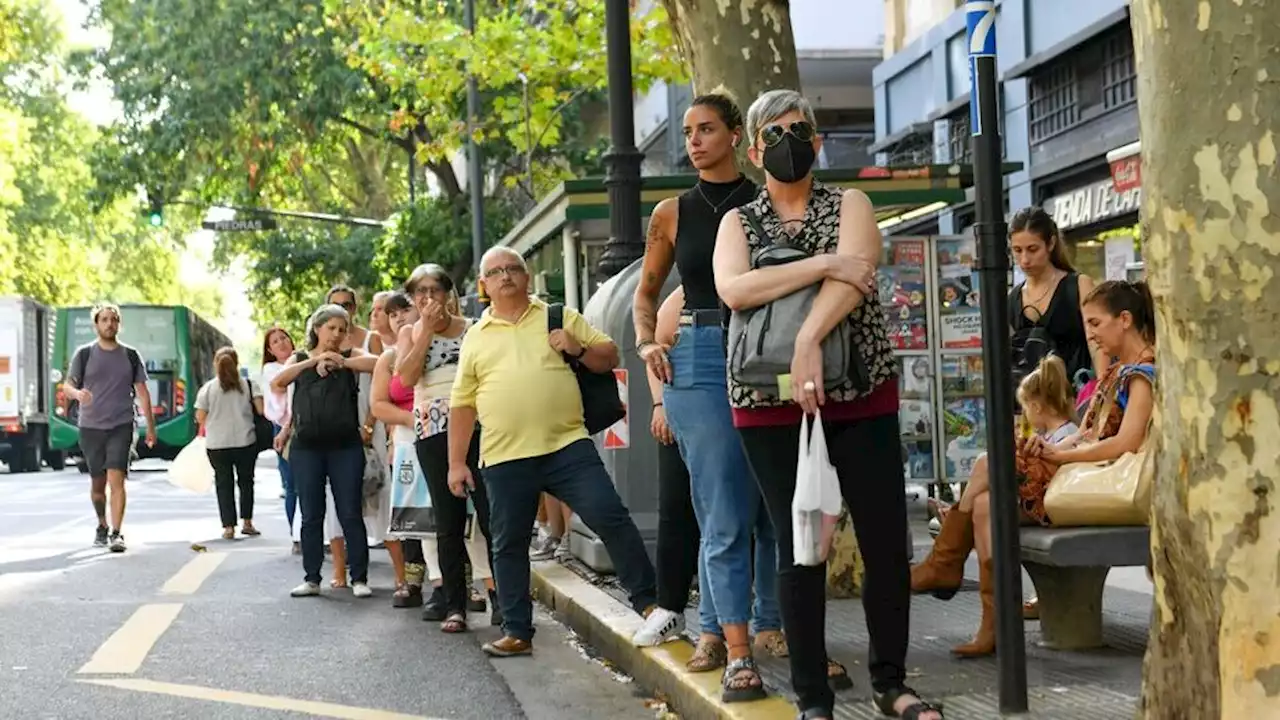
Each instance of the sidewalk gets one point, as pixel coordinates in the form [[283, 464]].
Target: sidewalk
[[1094, 685]]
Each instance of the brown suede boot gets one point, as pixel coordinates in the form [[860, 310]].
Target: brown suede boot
[[984, 643], [942, 572]]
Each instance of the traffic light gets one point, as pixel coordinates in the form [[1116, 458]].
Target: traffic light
[[155, 215]]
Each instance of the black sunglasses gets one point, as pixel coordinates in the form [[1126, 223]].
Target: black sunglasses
[[773, 134]]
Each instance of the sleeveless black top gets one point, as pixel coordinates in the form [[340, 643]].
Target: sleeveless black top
[[701, 209], [1061, 320]]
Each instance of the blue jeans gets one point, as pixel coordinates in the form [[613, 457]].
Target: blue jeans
[[343, 469], [286, 481], [726, 498], [575, 476]]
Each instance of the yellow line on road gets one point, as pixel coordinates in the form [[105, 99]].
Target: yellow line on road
[[266, 702], [124, 651], [193, 574]]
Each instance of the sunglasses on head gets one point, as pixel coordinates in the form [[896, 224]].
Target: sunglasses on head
[[772, 134]]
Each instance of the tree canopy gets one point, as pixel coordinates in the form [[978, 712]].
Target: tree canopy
[[62, 250], [328, 106]]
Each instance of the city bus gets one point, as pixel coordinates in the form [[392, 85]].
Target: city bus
[[177, 346]]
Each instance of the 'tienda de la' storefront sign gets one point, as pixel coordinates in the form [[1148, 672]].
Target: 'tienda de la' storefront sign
[[1091, 204]]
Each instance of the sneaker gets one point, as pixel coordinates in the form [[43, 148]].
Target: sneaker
[[306, 589], [659, 627], [100, 537], [546, 551], [361, 590], [563, 552], [117, 542]]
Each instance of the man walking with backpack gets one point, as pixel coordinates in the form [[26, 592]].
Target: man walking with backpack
[[106, 377]]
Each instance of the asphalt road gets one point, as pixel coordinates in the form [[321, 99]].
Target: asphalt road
[[162, 631]]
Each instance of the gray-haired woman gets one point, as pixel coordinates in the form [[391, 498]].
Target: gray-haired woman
[[327, 445], [859, 415]]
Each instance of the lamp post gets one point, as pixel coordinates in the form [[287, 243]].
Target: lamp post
[[475, 173], [993, 269], [625, 245]]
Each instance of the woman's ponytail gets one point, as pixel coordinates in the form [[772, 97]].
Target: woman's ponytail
[[227, 366]]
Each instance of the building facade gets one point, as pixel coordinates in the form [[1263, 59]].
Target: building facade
[[838, 44], [1068, 98]]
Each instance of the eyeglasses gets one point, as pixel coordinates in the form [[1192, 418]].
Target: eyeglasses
[[509, 270], [773, 134], [424, 290]]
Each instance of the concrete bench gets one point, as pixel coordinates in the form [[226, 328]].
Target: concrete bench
[[1069, 567]]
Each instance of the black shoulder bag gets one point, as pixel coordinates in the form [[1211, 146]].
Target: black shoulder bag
[[601, 405], [264, 434]]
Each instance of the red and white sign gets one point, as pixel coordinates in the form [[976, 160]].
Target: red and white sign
[[618, 435], [1126, 167]]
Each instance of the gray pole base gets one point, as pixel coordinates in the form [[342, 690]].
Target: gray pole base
[[1070, 605]]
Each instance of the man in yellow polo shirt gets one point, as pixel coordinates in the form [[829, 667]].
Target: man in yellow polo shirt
[[513, 376]]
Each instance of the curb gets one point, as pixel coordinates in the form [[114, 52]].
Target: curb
[[608, 625]]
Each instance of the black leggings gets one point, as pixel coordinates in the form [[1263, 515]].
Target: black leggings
[[678, 535], [451, 514], [232, 467], [868, 460]]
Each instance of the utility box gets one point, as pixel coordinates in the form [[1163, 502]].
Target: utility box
[[629, 452]]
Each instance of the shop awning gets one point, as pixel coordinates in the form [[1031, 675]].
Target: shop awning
[[898, 193]]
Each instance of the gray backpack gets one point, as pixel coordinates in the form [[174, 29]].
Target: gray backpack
[[762, 340]]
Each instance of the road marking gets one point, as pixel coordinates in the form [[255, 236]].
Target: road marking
[[124, 651], [193, 574], [266, 702]]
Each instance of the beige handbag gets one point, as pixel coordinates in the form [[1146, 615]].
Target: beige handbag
[[1115, 492]]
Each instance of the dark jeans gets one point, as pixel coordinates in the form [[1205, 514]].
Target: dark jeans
[[451, 514], [286, 482], [868, 459], [678, 535], [575, 476], [231, 467], [343, 469]]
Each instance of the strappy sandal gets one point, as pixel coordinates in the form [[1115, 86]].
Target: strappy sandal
[[733, 690], [772, 642], [339, 584], [708, 655], [837, 676], [454, 624], [406, 596], [886, 700]]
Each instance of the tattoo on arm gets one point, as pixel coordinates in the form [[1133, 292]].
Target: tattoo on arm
[[659, 257]]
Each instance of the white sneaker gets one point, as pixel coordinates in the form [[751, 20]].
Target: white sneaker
[[546, 551], [361, 590], [306, 589], [659, 627]]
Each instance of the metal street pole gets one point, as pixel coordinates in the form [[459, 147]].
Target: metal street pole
[[625, 244], [475, 173], [993, 269]]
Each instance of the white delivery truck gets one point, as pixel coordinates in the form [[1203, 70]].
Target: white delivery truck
[[26, 346]]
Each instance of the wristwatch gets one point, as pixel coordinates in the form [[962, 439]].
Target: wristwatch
[[640, 346]]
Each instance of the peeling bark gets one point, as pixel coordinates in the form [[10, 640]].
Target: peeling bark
[[1212, 247], [745, 45]]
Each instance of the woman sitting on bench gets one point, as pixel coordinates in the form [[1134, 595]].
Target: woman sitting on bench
[[1120, 319]]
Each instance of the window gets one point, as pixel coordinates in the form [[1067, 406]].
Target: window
[[1094, 79]]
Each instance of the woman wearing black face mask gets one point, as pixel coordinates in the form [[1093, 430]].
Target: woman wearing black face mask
[[860, 419]]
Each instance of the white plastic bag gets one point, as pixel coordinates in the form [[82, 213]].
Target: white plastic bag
[[816, 505], [191, 469]]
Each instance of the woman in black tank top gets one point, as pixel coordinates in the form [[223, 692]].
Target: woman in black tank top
[[694, 410]]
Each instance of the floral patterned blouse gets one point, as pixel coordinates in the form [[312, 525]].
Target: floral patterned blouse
[[820, 235]]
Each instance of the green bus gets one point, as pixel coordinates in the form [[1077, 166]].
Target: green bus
[[177, 346]]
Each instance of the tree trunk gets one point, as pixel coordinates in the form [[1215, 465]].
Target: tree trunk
[[1212, 248], [745, 45]]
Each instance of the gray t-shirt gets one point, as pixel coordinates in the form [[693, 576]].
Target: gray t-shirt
[[230, 420], [110, 378]]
